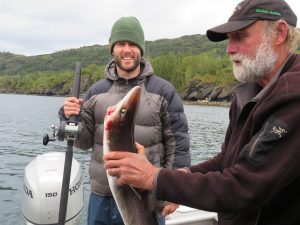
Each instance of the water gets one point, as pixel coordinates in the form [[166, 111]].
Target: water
[[24, 119]]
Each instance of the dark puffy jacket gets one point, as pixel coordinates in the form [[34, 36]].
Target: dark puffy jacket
[[256, 178], [161, 124]]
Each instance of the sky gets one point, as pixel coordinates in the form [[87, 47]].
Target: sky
[[36, 27]]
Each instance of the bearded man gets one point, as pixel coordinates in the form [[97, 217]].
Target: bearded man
[[255, 179]]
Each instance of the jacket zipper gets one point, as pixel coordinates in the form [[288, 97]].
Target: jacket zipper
[[257, 140]]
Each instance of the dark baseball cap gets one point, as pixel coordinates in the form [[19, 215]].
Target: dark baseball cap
[[249, 11]]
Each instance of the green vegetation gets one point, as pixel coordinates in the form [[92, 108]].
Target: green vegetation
[[59, 61], [182, 61], [205, 67], [178, 69], [178, 60], [50, 83]]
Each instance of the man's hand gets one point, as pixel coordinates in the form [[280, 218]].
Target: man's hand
[[169, 208], [131, 168], [72, 106]]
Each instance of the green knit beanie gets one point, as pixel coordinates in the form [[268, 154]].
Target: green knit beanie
[[127, 29]]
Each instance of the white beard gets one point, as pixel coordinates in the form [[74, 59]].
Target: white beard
[[257, 68]]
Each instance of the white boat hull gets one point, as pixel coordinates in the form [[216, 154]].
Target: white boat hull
[[190, 216]]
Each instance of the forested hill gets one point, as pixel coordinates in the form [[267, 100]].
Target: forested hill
[[197, 68], [11, 64]]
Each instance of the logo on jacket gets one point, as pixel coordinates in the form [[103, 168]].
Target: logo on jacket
[[278, 131]]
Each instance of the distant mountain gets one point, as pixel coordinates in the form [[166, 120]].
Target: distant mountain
[[12, 64], [189, 45]]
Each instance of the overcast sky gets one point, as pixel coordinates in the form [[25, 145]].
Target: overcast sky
[[35, 27]]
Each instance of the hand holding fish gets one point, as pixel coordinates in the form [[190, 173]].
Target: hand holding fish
[[131, 168], [134, 170], [169, 209]]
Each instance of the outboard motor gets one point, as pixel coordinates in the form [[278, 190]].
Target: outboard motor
[[53, 188], [42, 188]]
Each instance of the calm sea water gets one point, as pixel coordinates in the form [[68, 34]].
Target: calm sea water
[[24, 119]]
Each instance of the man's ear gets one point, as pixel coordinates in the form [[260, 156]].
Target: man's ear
[[282, 32], [111, 50]]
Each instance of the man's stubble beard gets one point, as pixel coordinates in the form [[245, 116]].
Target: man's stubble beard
[[136, 62]]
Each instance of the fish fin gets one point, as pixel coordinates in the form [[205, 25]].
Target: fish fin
[[136, 192]]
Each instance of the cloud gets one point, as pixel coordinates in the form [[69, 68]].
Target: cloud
[[34, 27]]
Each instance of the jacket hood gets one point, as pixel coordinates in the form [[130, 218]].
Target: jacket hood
[[110, 70]]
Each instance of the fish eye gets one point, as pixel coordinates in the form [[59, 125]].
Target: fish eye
[[123, 112]]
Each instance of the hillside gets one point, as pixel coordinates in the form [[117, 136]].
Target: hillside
[[11, 64], [197, 68]]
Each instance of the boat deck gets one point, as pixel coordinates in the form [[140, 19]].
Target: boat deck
[[190, 216]]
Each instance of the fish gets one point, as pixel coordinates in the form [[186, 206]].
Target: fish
[[137, 207]]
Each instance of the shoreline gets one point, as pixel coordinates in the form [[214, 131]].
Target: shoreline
[[204, 102]]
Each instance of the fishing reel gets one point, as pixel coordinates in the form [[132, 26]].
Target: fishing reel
[[68, 130], [46, 137]]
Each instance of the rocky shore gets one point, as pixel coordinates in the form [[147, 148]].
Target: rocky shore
[[207, 102], [198, 93], [208, 94]]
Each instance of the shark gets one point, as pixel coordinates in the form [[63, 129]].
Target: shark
[[137, 207]]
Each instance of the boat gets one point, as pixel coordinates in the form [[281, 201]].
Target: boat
[[42, 186], [189, 216]]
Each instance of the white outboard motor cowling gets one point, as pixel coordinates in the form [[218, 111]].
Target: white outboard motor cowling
[[42, 190]]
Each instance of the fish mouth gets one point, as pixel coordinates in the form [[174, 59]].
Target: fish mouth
[[134, 98], [124, 111], [130, 101], [119, 122]]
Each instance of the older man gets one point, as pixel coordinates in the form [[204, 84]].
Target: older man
[[256, 177]]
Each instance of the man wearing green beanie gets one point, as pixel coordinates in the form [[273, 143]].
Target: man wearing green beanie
[[161, 125], [127, 29]]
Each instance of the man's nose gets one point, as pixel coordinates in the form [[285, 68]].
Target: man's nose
[[231, 47]]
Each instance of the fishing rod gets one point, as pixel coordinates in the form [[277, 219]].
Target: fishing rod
[[69, 130]]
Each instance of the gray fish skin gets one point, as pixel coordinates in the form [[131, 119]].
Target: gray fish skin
[[119, 135]]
